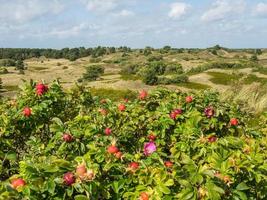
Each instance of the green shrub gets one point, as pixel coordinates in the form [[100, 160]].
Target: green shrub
[[20, 65], [174, 69], [181, 78], [3, 70], [261, 69], [93, 72], [158, 67], [222, 65], [155, 58], [254, 58], [7, 62], [175, 79], [171, 148], [150, 77]]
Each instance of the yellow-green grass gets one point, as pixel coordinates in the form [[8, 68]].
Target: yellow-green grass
[[194, 86], [251, 78], [223, 78]]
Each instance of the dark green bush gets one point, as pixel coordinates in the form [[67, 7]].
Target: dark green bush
[[93, 72], [174, 69], [175, 79], [254, 58], [222, 65], [182, 78], [155, 58], [150, 77], [158, 67], [7, 62]]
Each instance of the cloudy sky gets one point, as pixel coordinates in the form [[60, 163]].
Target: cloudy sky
[[134, 23]]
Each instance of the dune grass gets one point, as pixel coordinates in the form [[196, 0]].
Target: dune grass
[[224, 78], [253, 97], [251, 78], [195, 86], [129, 77]]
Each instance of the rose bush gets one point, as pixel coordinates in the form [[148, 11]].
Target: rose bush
[[163, 145]]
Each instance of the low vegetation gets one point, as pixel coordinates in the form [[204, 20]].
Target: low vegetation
[[157, 145], [93, 72]]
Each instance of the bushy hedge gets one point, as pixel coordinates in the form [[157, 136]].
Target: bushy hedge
[[222, 65], [93, 72], [151, 73], [175, 79], [174, 69], [162, 145]]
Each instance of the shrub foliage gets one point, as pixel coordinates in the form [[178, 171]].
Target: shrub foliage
[[162, 145]]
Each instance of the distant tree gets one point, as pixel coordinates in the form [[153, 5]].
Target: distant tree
[[73, 54], [124, 54], [217, 47], [150, 77], [174, 69], [258, 51], [254, 58], [166, 49], [214, 52], [93, 72], [158, 67], [7, 62], [147, 51], [112, 50], [20, 65], [155, 58], [180, 50]]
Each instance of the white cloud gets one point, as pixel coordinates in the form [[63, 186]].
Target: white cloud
[[223, 9], [100, 5], [73, 30], [21, 11], [178, 10], [260, 10], [125, 13]]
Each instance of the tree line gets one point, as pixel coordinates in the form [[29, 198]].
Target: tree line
[[67, 53]]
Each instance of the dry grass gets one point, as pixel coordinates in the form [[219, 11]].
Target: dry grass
[[69, 72], [253, 96]]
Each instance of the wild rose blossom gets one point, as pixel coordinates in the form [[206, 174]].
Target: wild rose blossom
[[209, 112], [149, 148]]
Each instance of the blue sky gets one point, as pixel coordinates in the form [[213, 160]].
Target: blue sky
[[134, 23]]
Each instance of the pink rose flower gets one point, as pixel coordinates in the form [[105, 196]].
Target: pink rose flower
[[149, 148]]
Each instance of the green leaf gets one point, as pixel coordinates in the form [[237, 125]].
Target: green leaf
[[241, 195], [81, 197], [164, 189], [11, 156], [242, 186], [51, 186], [169, 182], [70, 191]]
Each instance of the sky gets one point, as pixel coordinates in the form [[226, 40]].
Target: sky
[[133, 23]]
